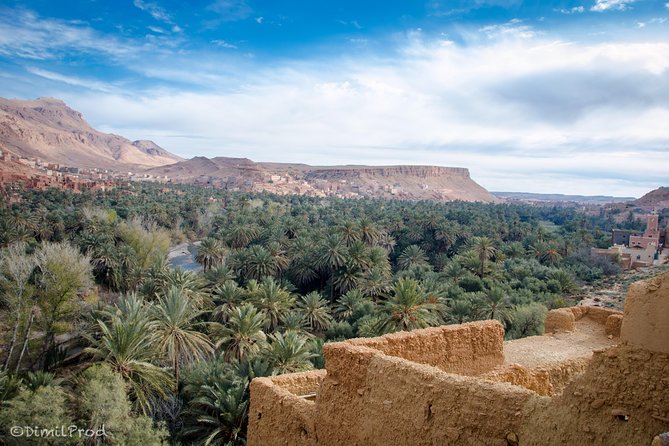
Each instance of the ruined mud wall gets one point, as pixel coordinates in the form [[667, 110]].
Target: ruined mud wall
[[564, 319], [547, 380], [466, 349], [646, 320], [368, 398], [621, 399], [278, 414], [623, 396]]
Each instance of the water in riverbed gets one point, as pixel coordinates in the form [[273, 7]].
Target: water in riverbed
[[183, 256]]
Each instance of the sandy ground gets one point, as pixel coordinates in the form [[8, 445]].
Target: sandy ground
[[611, 292], [554, 348]]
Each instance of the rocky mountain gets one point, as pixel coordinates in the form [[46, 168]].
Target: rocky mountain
[[402, 182], [48, 129]]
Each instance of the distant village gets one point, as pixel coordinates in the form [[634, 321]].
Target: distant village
[[636, 249], [42, 175]]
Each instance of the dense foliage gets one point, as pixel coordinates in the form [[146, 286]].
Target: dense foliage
[[92, 310]]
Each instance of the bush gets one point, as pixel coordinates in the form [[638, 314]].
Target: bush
[[103, 404], [526, 320], [45, 408]]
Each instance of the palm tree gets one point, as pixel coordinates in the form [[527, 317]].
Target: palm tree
[[190, 284], [176, 338], [346, 304], [242, 233], [295, 321], [368, 232], [331, 253], [242, 336], [454, 271], [289, 352], [218, 275], [273, 300], [407, 308], [348, 233], [460, 311], [278, 253], [220, 413], [496, 304], [226, 297], [210, 253], [412, 256], [128, 342], [376, 283], [316, 312], [347, 278], [259, 263], [484, 250]]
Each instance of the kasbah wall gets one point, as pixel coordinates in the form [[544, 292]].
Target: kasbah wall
[[450, 385]]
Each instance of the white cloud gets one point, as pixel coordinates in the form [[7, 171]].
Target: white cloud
[[154, 10], [510, 30], [524, 113], [611, 5], [224, 44], [574, 10], [72, 80], [25, 35]]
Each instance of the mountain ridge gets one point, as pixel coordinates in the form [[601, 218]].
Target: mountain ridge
[[414, 182], [48, 129]]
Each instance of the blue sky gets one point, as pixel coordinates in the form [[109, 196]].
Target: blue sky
[[539, 96]]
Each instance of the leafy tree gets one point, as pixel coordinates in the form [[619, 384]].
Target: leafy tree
[[103, 406], [46, 407], [62, 273], [16, 268]]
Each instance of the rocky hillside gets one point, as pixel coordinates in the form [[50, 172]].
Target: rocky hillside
[[658, 199], [48, 129], [402, 182]]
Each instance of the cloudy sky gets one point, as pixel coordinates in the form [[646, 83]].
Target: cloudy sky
[[530, 95]]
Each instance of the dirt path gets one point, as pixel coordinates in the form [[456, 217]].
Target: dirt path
[[611, 292], [549, 349]]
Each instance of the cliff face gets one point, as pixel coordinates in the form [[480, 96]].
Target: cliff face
[[388, 171], [400, 182], [48, 129]]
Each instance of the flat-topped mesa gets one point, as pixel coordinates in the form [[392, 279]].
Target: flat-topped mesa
[[388, 171]]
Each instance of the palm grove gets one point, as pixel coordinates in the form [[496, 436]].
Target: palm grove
[[98, 330]]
